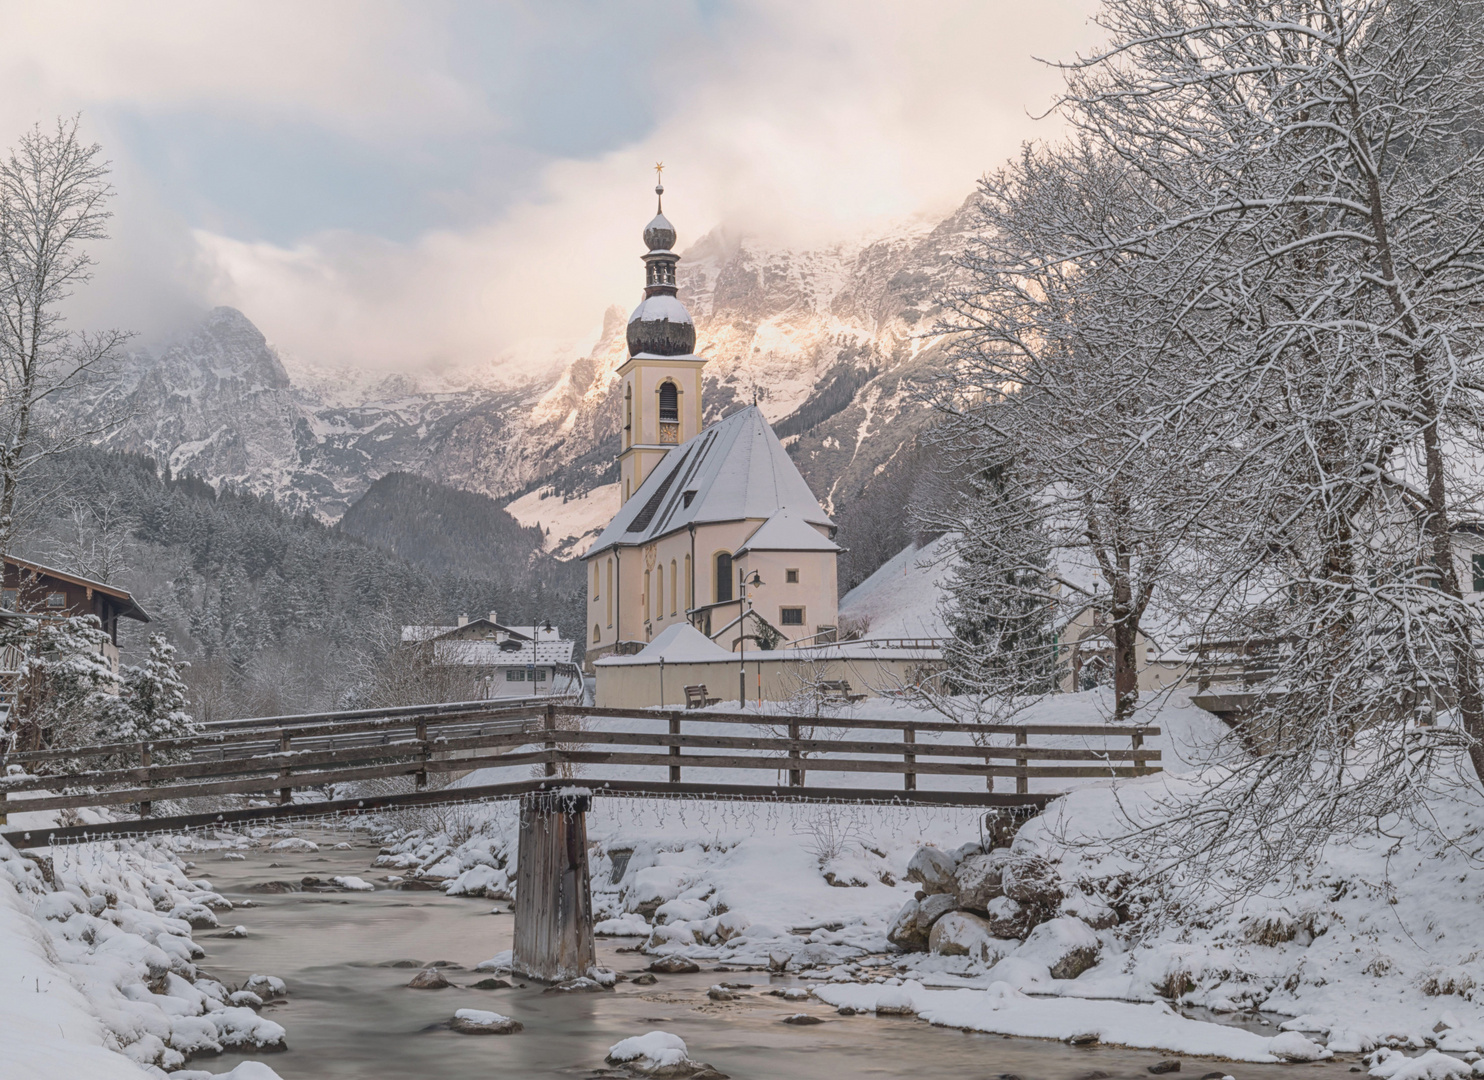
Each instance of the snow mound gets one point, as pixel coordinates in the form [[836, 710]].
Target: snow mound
[[655, 1050], [294, 843]]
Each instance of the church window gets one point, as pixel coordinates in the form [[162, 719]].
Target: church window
[[690, 599], [595, 583], [723, 577], [659, 594], [646, 594], [597, 634], [791, 577], [608, 592], [669, 403], [628, 408], [673, 597], [791, 616]]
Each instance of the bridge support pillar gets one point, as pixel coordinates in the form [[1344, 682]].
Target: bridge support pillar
[[553, 894]]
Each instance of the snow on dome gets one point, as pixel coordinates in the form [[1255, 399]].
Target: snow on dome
[[660, 326], [659, 234]]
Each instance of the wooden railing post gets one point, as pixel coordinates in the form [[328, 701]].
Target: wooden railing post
[[1022, 781], [145, 760], [1137, 738], [550, 725], [795, 774], [675, 748], [285, 793], [422, 737], [909, 778]]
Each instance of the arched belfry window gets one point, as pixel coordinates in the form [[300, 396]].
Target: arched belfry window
[[628, 407], [669, 402], [723, 577]]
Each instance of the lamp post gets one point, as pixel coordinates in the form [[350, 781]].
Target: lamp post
[[755, 580]]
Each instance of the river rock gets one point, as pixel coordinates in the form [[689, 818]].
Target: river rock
[[267, 987], [661, 1055], [1032, 882], [645, 980], [978, 880], [960, 933], [428, 979], [802, 1019], [1005, 918], [199, 916], [932, 868], [1168, 1065], [479, 1022], [722, 993], [490, 984], [580, 985], [674, 965], [1067, 947]]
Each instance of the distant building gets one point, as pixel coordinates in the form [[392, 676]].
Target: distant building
[[509, 661], [717, 528]]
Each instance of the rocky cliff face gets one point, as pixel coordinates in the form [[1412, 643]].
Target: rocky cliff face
[[830, 341]]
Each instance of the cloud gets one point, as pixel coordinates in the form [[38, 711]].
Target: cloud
[[799, 123]]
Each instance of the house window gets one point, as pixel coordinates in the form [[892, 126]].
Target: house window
[[723, 577], [539, 675], [515, 674], [791, 577], [791, 616], [1478, 573], [9, 598], [56, 600], [669, 403]]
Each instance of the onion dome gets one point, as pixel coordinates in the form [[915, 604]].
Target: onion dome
[[660, 325]]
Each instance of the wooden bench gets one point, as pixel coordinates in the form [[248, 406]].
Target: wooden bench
[[695, 697], [839, 690]]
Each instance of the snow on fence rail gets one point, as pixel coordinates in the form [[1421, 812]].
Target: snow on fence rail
[[600, 746]]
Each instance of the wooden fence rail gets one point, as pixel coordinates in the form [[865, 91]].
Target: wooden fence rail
[[561, 741]]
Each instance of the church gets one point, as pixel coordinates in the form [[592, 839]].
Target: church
[[717, 530]]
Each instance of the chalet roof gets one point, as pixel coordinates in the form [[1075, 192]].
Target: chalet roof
[[474, 628], [734, 470], [128, 607], [496, 654], [785, 531]]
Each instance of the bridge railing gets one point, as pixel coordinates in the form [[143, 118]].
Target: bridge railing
[[726, 755]]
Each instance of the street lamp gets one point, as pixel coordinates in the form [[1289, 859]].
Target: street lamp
[[755, 580]]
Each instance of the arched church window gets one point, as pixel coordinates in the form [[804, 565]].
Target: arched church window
[[597, 634], [669, 403], [628, 408], [723, 577]]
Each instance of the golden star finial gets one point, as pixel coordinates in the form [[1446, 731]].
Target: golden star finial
[[659, 167]]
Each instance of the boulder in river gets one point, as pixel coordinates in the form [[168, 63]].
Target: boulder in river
[[674, 965], [1067, 947], [428, 979], [480, 1022], [661, 1055]]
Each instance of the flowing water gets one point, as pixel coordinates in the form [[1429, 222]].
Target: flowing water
[[351, 1015]]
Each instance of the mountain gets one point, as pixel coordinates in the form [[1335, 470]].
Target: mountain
[[831, 342]]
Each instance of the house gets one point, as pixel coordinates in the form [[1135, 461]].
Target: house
[[717, 529], [38, 591], [509, 661]]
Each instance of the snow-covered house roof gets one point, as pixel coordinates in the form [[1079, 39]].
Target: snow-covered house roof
[[786, 531], [500, 654], [680, 643], [734, 470]]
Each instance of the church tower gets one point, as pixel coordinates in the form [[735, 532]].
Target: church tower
[[661, 380]]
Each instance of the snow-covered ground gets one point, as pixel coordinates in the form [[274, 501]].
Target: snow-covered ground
[[904, 597], [98, 979], [571, 523]]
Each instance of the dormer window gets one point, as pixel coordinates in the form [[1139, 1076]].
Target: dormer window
[[687, 497]]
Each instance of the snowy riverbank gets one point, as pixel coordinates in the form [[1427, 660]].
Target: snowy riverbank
[[100, 975]]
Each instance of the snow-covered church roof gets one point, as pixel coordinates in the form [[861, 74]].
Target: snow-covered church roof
[[734, 470], [786, 531]]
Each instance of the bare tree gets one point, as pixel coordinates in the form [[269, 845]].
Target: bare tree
[[53, 196]]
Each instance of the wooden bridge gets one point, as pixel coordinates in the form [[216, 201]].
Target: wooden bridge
[[554, 758]]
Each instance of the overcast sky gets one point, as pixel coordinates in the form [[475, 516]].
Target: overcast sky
[[415, 185]]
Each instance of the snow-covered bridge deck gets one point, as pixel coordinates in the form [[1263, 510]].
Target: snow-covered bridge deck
[[250, 770]]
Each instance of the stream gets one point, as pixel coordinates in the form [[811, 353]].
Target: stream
[[350, 1015]]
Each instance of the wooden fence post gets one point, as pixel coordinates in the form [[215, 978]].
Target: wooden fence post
[[675, 748], [795, 774], [422, 737], [285, 794], [1022, 781], [909, 778], [145, 760], [1137, 738], [553, 893], [550, 725]]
